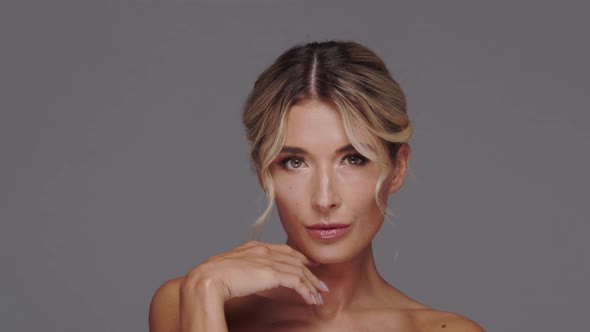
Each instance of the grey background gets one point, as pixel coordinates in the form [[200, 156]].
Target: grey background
[[124, 163]]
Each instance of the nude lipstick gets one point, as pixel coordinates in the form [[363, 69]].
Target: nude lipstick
[[327, 231]]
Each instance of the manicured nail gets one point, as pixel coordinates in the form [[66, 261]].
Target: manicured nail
[[321, 299], [324, 287]]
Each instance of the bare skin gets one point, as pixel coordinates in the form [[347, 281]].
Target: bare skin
[[318, 177]]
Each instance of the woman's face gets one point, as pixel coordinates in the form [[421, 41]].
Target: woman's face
[[320, 178]]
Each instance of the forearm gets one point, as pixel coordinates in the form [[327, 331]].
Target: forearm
[[203, 311]]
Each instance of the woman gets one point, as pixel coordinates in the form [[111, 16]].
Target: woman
[[328, 130]]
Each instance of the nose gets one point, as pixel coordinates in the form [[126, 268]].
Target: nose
[[325, 194]]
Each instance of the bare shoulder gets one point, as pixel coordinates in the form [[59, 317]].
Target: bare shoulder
[[442, 321], [164, 313]]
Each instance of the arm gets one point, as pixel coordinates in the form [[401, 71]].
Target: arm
[[201, 308], [173, 310], [196, 302]]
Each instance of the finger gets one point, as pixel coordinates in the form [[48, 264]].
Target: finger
[[279, 247], [299, 271], [232, 253], [295, 261], [286, 254], [249, 244], [296, 283], [289, 250]]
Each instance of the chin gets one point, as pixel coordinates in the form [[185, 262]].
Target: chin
[[325, 260], [329, 254]]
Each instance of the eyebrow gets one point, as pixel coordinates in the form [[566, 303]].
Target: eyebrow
[[297, 150]]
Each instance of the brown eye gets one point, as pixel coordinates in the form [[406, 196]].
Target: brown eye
[[295, 162], [355, 160]]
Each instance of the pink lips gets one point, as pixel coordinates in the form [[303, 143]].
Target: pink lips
[[327, 230]]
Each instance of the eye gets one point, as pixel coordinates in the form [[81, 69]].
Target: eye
[[295, 162], [291, 162], [355, 159]]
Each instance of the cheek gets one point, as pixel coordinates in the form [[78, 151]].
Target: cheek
[[360, 190], [289, 196], [356, 189]]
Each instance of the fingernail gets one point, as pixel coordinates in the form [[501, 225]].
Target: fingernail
[[314, 299], [324, 287], [321, 298]]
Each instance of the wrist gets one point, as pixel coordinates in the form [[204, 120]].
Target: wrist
[[211, 290], [205, 287], [202, 307]]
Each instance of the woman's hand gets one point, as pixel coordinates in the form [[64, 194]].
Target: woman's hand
[[254, 267]]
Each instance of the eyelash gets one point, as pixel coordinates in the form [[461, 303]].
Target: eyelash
[[363, 160]]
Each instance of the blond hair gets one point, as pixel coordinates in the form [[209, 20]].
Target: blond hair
[[347, 74]]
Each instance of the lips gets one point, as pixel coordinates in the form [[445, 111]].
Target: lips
[[327, 226], [327, 231]]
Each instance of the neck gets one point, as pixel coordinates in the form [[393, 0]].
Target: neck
[[353, 284]]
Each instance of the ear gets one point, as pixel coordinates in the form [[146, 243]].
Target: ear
[[401, 168]]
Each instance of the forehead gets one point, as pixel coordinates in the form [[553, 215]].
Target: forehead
[[315, 122]]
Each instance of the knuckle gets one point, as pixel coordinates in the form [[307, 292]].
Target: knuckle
[[301, 279], [261, 250], [305, 290], [265, 250], [301, 273], [289, 248]]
